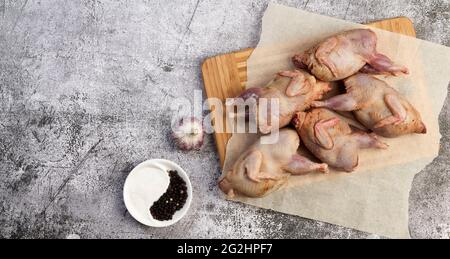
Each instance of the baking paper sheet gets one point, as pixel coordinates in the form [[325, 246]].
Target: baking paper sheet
[[375, 197]]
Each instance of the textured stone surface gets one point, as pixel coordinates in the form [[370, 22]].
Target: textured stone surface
[[85, 88]]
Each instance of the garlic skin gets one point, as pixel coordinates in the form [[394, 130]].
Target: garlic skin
[[188, 134]]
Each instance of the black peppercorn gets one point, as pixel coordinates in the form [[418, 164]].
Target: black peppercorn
[[172, 201]]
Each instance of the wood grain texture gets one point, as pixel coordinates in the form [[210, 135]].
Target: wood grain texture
[[225, 76]]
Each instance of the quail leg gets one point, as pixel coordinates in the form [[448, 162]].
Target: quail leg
[[300, 166], [344, 102], [380, 64], [367, 141]]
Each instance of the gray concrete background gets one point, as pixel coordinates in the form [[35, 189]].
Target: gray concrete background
[[85, 88]]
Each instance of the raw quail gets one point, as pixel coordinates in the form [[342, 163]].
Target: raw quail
[[345, 54], [377, 106], [294, 91], [332, 140], [263, 169]]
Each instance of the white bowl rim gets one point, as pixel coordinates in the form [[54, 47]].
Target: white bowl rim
[[180, 213]]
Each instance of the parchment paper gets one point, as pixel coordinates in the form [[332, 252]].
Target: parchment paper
[[375, 197]]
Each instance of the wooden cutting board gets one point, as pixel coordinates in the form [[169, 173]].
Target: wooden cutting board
[[225, 76]]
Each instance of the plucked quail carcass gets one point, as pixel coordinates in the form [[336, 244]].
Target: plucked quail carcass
[[377, 106], [332, 140], [263, 168], [345, 54], [294, 90]]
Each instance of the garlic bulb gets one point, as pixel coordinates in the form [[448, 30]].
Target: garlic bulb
[[188, 134]]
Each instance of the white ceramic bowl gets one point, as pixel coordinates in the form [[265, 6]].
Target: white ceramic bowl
[[145, 184]]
